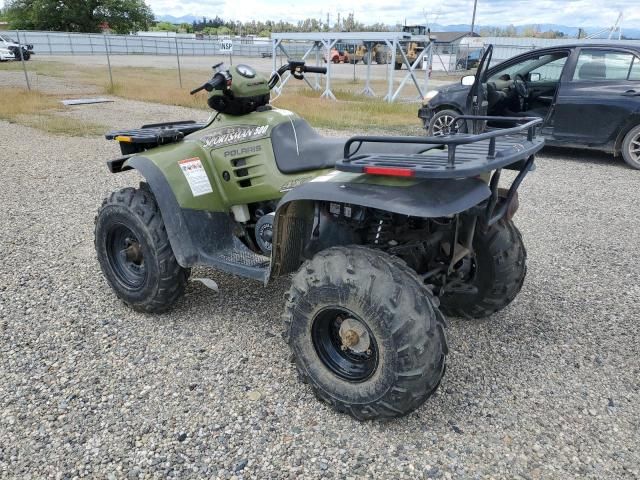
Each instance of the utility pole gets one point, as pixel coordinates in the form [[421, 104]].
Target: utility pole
[[473, 19]]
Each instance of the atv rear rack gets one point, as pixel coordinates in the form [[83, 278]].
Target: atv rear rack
[[148, 136], [463, 155]]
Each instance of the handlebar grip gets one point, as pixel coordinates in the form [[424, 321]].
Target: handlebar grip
[[216, 82], [310, 69]]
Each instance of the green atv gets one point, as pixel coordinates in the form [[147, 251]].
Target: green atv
[[381, 234]]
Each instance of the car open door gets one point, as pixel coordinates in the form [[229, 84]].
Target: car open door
[[476, 100]]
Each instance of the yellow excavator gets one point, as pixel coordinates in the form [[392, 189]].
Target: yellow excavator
[[413, 50]]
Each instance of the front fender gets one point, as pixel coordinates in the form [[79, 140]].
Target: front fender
[[427, 199], [196, 236], [172, 215]]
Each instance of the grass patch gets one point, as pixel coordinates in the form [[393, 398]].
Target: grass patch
[[157, 92], [37, 110], [18, 102], [373, 114], [351, 111], [59, 125]]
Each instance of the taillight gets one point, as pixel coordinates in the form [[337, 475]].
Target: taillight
[[390, 171]]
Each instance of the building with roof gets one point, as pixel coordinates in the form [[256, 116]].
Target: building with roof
[[448, 42]]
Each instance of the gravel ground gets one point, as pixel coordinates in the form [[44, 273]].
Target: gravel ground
[[548, 388]]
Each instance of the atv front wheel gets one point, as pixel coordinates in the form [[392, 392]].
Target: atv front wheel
[[365, 333], [494, 275], [134, 252]]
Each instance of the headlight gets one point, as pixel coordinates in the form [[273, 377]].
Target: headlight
[[429, 96]]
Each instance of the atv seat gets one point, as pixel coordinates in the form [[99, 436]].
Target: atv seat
[[297, 147]]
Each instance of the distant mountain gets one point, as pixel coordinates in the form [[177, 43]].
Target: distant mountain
[[544, 27], [177, 20]]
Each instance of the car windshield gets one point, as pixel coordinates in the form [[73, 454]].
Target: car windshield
[[7, 39]]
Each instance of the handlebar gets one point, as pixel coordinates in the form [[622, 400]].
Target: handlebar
[[217, 81], [297, 69]]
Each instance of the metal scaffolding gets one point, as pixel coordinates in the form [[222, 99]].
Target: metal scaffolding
[[320, 42]]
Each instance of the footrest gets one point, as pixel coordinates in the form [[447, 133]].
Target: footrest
[[242, 256]]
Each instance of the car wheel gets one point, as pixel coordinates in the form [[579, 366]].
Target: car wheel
[[631, 148], [442, 124]]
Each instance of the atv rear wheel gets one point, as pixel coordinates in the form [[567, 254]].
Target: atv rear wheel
[[134, 252], [495, 274], [365, 333]]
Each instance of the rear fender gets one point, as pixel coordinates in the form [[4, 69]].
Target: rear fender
[[295, 214]]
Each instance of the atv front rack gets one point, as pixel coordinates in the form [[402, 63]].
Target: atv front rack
[[461, 155], [149, 136]]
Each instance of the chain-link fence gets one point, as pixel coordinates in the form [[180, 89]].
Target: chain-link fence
[[63, 43], [43, 43], [448, 59], [457, 57]]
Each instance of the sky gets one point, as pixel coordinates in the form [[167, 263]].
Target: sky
[[575, 13]]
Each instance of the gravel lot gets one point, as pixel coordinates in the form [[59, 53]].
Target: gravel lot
[[549, 388]]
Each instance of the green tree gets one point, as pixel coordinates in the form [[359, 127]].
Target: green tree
[[121, 16], [185, 28], [164, 27]]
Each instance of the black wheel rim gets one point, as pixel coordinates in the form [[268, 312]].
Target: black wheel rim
[[125, 257], [355, 364]]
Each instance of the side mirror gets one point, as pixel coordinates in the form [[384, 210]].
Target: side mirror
[[468, 80], [535, 77]]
